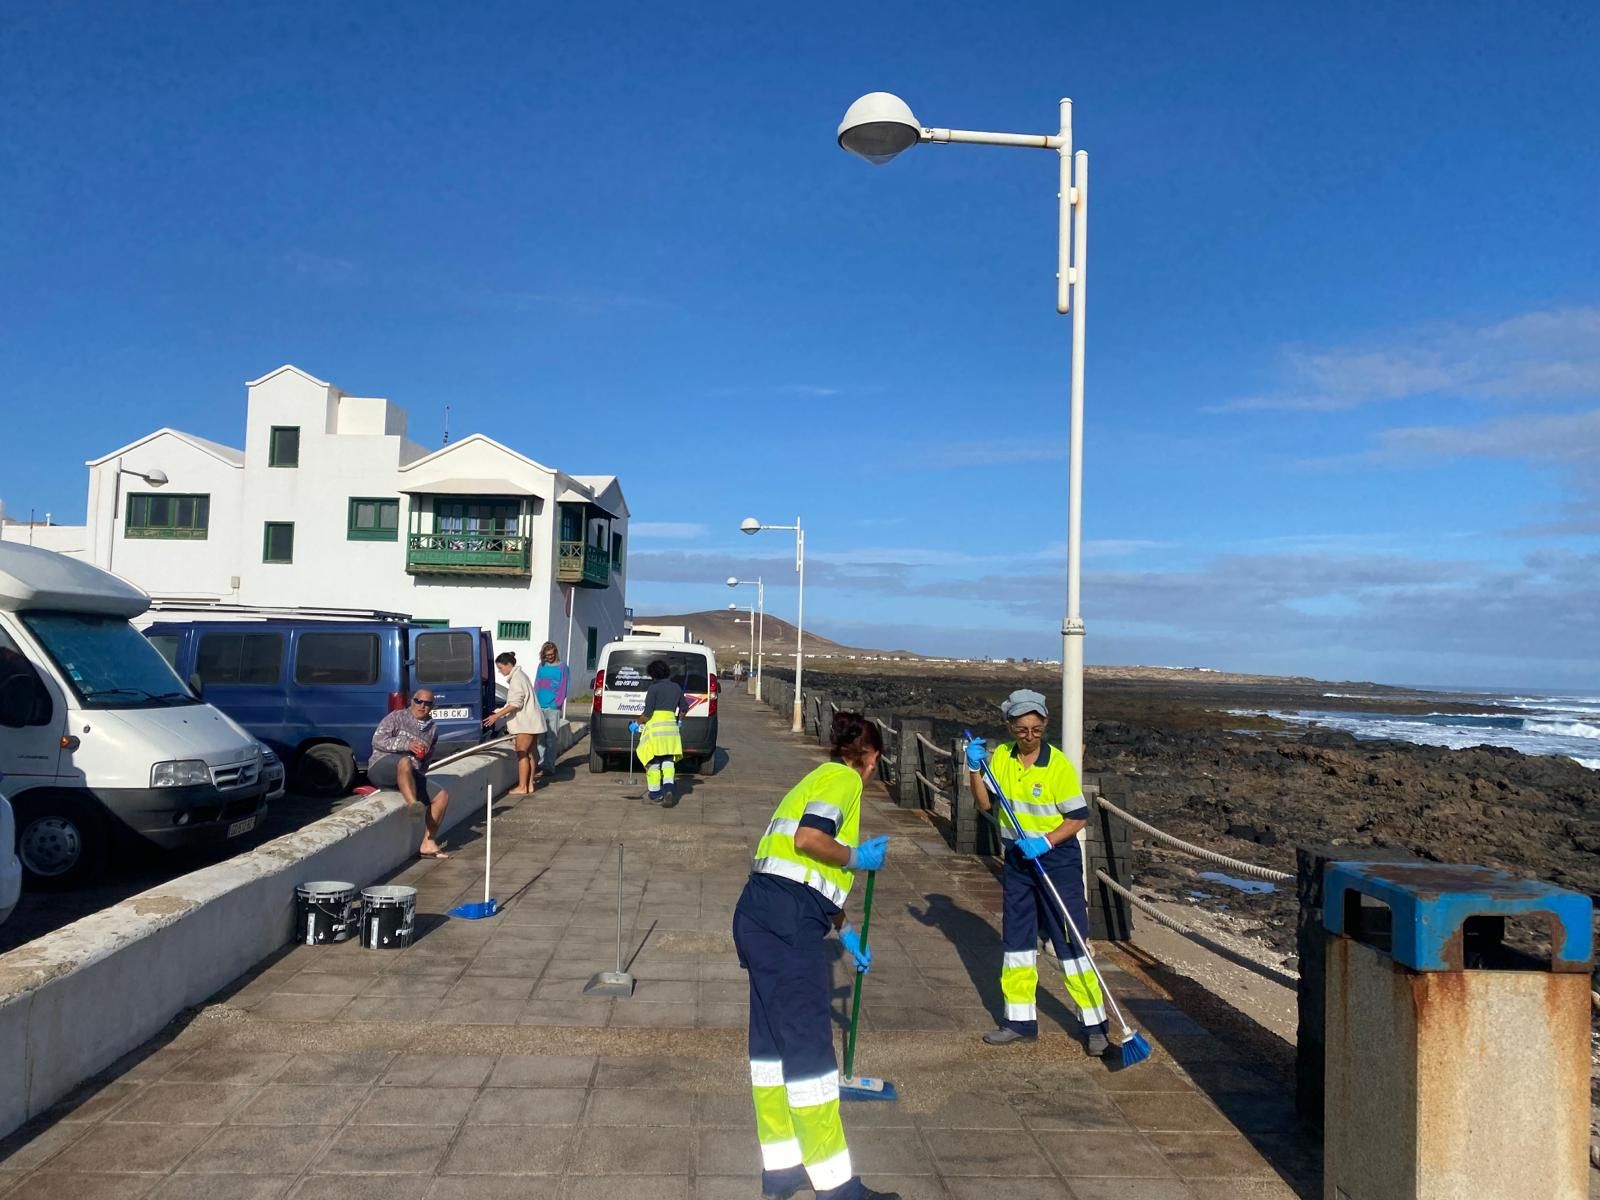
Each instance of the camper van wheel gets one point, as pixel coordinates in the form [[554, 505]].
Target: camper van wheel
[[325, 770], [597, 761], [61, 841]]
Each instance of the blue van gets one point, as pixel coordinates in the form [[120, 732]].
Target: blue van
[[314, 690]]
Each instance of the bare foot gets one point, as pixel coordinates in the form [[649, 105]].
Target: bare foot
[[431, 850]]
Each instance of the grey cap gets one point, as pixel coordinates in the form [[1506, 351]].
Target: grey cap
[[1023, 701]]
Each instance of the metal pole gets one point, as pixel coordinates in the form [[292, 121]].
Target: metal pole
[[761, 631], [752, 659], [619, 908], [799, 622], [1072, 629]]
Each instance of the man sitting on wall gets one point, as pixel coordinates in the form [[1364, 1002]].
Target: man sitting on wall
[[401, 747]]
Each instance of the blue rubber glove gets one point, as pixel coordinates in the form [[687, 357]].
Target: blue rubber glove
[[869, 855], [1032, 845], [633, 727], [852, 942], [976, 754]]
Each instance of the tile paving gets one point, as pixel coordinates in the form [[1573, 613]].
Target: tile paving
[[471, 1067]]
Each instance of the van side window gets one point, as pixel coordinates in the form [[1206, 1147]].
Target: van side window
[[167, 644], [444, 657], [242, 658], [24, 700], [336, 658]]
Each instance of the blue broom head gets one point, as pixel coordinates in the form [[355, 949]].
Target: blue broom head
[[477, 910], [866, 1087], [1135, 1050]]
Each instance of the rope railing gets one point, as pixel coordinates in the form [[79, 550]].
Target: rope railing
[[1235, 864], [930, 748], [1277, 975]]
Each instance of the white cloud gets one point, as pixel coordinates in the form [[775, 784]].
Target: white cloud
[[667, 530]]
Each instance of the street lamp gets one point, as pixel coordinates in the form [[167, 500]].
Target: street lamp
[[751, 525], [758, 627], [879, 126], [155, 477]]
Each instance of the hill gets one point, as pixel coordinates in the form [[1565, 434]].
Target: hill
[[717, 630]]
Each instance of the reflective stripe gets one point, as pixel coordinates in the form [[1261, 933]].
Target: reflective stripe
[[1093, 1016], [1021, 1012], [1072, 968], [807, 1093], [830, 1172], [792, 870], [832, 812], [1036, 810], [783, 825], [766, 1072], [778, 1155], [1020, 958], [1071, 808]]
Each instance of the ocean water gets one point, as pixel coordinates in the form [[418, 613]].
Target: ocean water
[[1566, 725]]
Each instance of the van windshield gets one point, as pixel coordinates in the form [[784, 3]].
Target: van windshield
[[108, 663], [629, 670]]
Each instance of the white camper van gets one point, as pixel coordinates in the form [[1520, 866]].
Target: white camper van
[[98, 738]]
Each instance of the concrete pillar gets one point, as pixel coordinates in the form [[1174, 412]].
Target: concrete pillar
[[974, 832], [908, 751], [1108, 847]]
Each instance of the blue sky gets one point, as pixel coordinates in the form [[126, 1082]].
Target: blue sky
[[1343, 401]]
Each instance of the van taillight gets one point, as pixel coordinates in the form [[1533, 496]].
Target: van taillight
[[599, 686], [397, 701], [711, 700]]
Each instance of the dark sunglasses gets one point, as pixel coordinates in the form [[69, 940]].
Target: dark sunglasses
[[419, 700]]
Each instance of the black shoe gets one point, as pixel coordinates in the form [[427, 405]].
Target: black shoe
[[1005, 1035], [868, 1194], [782, 1193], [670, 800]]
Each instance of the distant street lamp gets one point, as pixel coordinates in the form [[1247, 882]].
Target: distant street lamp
[[758, 624], [155, 477], [751, 525], [879, 126]]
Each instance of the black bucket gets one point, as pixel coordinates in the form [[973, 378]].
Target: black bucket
[[388, 916], [325, 912]]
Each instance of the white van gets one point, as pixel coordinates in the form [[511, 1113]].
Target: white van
[[10, 868], [619, 687], [98, 737]]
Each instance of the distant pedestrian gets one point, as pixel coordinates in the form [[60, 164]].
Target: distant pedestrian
[[1042, 785], [550, 686], [524, 720], [660, 735], [402, 744]]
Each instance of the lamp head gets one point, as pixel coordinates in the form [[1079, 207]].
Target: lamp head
[[749, 525], [733, 608], [878, 126], [155, 477], [733, 581]]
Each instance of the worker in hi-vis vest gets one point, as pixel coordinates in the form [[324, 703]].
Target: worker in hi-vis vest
[[1042, 785], [660, 734], [795, 896]]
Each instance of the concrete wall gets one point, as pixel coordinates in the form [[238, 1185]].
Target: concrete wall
[[76, 1000]]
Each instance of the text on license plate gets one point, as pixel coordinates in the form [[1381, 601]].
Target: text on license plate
[[445, 713], [244, 826]]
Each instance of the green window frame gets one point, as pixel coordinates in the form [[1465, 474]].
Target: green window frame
[[167, 515], [373, 519], [283, 447], [490, 518], [432, 622], [616, 551], [277, 542], [513, 631], [592, 646]]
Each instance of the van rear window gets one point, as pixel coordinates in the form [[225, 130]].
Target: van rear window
[[240, 658], [336, 658], [628, 670], [444, 657]]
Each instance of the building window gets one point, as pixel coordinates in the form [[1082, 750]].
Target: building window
[[513, 631], [277, 542], [154, 515], [431, 622], [616, 551], [373, 519], [284, 448], [492, 518], [592, 644]]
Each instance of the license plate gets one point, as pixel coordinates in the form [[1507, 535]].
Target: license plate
[[447, 713], [244, 826]]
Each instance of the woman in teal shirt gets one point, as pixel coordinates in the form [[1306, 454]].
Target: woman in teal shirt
[[550, 693]]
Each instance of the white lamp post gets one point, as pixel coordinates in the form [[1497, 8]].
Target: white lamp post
[[759, 624], [879, 126], [155, 477], [751, 525]]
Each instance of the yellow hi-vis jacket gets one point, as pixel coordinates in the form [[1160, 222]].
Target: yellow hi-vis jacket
[[828, 799], [1043, 795]]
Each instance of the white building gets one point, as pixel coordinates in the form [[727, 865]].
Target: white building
[[329, 505]]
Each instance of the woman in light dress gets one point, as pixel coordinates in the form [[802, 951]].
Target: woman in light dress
[[523, 719]]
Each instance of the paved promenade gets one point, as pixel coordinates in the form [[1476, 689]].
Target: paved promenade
[[470, 1067]]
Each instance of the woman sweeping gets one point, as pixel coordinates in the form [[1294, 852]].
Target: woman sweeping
[[804, 864], [1042, 785], [523, 719], [660, 740]]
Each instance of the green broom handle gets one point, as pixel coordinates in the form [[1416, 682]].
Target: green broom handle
[[855, 1000]]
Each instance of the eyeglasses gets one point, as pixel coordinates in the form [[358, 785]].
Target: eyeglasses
[[421, 701], [1028, 730]]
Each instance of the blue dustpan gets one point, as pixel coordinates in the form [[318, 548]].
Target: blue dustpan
[[477, 910]]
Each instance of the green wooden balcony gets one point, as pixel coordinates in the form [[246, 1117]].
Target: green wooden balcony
[[467, 554], [582, 564]]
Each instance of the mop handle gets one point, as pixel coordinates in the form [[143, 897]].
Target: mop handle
[[855, 1000], [488, 839], [1005, 804]]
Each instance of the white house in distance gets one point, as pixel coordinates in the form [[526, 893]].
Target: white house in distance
[[329, 505]]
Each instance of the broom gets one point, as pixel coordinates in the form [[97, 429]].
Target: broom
[[477, 910], [851, 1085], [1134, 1048]]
